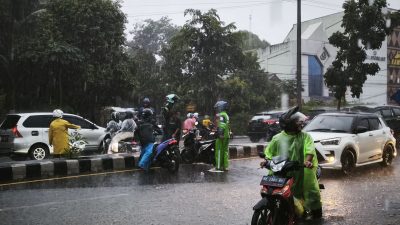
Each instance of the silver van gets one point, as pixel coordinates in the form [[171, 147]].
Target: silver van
[[27, 133]]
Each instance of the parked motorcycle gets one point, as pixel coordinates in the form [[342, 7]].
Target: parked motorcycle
[[277, 206], [196, 150], [167, 155]]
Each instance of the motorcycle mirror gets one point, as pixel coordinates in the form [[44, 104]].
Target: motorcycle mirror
[[261, 154]]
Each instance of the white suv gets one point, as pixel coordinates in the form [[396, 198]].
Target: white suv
[[346, 140], [27, 133]]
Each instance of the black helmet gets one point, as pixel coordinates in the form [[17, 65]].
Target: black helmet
[[146, 101], [292, 120], [147, 114], [128, 115], [221, 106], [115, 116]]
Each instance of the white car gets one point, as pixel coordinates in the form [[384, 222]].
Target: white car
[[28, 133], [346, 140]]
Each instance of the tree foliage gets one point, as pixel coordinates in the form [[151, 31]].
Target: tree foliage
[[202, 54], [250, 40], [72, 54], [360, 33], [145, 60], [61, 50]]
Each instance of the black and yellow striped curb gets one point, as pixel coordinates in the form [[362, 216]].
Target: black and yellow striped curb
[[40, 169]]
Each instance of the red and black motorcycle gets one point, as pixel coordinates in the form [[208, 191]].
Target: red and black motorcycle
[[277, 205]]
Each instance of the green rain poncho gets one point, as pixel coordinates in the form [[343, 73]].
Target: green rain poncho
[[222, 142], [296, 147]]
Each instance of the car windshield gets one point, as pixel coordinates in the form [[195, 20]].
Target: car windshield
[[330, 123]]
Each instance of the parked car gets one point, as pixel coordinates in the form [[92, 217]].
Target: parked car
[[391, 115], [346, 140], [27, 133], [264, 125]]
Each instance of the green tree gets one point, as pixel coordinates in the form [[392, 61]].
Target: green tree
[[201, 55], [152, 35], [364, 28], [251, 41], [96, 28], [13, 14], [149, 39]]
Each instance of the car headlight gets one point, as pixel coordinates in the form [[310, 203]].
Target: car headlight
[[335, 141]]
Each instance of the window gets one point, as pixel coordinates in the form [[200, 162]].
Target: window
[[364, 122], [38, 121], [78, 121], [396, 111], [10, 122], [374, 124], [386, 113]]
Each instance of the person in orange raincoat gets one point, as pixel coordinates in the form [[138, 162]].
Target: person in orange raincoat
[[58, 133]]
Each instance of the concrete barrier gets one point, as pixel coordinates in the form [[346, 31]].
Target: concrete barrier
[[28, 170]]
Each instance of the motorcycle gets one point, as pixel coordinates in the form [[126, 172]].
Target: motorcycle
[[277, 206], [167, 155], [196, 150], [128, 145]]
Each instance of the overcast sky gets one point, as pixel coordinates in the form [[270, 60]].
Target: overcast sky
[[271, 20]]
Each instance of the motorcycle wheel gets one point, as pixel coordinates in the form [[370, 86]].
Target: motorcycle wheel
[[187, 157], [262, 217], [175, 160]]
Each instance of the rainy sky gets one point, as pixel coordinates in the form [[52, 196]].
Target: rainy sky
[[271, 20]]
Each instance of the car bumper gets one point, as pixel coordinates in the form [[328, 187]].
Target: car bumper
[[329, 156]]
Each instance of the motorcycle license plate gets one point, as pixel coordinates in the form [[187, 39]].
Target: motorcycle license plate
[[273, 181]]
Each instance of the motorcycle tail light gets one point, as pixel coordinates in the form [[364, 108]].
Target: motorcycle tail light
[[284, 191], [269, 122], [172, 142]]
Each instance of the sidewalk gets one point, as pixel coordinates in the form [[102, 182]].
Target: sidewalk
[[41, 169]]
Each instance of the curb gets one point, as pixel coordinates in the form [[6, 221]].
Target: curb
[[33, 170]]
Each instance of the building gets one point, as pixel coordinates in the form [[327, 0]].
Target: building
[[317, 55]]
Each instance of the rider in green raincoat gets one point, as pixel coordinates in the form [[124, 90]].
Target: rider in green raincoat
[[298, 146], [222, 142]]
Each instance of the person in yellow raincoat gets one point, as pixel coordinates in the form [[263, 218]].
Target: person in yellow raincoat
[[298, 145], [58, 133]]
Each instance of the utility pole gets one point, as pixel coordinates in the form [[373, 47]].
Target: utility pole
[[298, 72]]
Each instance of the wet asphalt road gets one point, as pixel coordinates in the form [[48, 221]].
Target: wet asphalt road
[[194, 196]]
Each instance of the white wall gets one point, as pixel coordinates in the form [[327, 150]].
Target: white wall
[[281, 59]]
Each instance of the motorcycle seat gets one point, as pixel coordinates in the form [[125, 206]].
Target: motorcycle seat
[[206, 142]]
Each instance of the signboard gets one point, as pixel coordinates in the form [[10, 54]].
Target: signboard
[[323, 55], [375, 57]]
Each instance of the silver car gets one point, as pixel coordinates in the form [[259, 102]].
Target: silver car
[[27, 133]]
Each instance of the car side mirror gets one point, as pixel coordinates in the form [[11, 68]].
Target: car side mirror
[[361, 129]]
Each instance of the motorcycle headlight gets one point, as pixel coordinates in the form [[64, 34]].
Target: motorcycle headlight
[[277, 167], [334, 141]]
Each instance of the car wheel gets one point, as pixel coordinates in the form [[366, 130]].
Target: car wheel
[[39, 151], [387, 156], [348, 161], [254, 139]]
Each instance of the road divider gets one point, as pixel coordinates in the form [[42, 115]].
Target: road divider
[[42, 169]]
